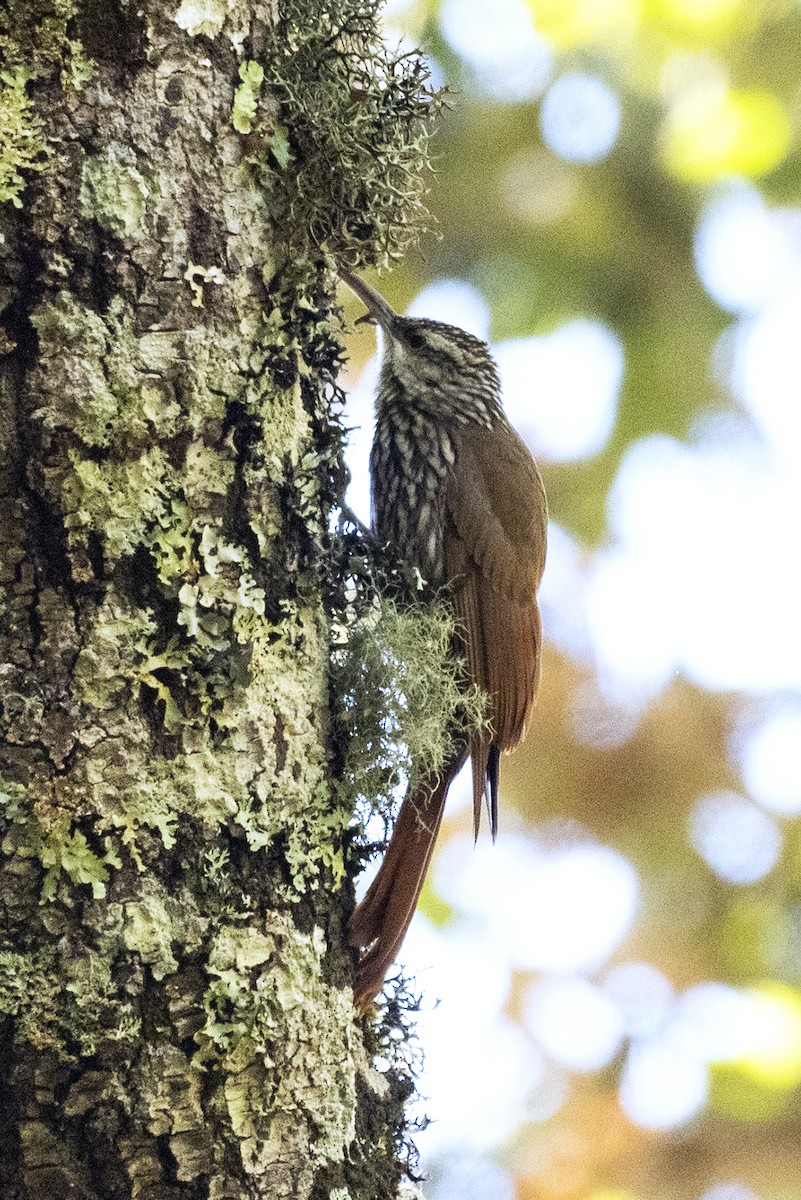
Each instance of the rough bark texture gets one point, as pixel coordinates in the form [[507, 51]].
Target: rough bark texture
[[175, 1008]]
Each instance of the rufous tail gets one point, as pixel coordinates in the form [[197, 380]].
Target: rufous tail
[[379, 923]]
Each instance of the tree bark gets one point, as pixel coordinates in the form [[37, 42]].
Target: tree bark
[[179, 183]]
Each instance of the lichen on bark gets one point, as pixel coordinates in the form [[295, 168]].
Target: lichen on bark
[[175, 1012]]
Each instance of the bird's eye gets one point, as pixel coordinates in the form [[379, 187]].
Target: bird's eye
[[414, 340]]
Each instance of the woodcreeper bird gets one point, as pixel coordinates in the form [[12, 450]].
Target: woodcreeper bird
[[457, 495]]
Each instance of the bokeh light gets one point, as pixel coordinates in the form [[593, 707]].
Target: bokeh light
[[589, 892], [730, 1191], [570, 23], [772, 1054], [671, 593], [771, 759], [561, 390], [745, 252], [562, 593], [510, 1067], [738, 841], [714, 1022], [643, 997], [477, 1177], [662, 1088], [575, 1022], [702, 18], [511, 60], [601, 720], [580, 118], [537, 187], [765, 369]]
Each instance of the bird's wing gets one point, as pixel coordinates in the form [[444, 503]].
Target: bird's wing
[[495, 532], [496, 502]]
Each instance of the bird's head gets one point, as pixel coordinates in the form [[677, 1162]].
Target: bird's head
[[432, 364]]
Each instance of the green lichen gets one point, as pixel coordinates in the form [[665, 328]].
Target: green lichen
[[174, 1090], [153, 805], [60, 848], [158, 921], [28, 992], [93, 1010], [65, 1000], [45, 42], [114, 190], [290, 800], [64, 849], [246, 96], [214, 606], [114, 397], [213, 655], [268, 778], [189, 465], [22, 143], [30, 50], [279, 146], [105, 399], [125, 500], [197, 276], [13, 801], [149, 932]]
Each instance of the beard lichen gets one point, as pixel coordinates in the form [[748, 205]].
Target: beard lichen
[[404, 699], [341, 138]]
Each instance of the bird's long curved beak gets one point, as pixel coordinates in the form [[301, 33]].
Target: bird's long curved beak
[[373, 301]]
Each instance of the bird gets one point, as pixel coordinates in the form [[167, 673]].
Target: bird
[[457, 495]]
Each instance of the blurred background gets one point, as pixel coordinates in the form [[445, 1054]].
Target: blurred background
[[612, 993]]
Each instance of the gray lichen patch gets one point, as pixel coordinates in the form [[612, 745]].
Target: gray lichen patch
[[202, 17], [114, 189], [268, 1007], [158, 921]]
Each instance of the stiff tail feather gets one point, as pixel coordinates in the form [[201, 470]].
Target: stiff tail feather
[[379, 923]]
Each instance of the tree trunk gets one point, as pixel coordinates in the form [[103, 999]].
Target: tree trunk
[[179, 182]]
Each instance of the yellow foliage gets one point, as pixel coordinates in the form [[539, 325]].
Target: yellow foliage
[[701, 20], [775, 1059], [612, 1194], [571, 23], [714, 132]]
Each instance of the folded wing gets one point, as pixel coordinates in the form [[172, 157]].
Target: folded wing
[[495, 538]]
